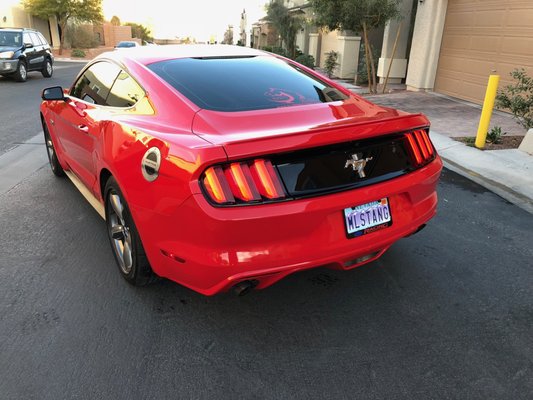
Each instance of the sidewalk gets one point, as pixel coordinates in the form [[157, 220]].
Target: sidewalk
[[89, 54], [508, 173]]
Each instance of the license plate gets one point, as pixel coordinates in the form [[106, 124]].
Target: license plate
[[367, 218]]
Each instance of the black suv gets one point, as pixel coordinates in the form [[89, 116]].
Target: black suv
[[23, 50]]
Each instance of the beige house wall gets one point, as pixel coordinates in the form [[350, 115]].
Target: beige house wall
[[264, 34], [425, 48], [314, 47], [328, 43], [114, 34], [12, 15], [395, 29], [348, 49]]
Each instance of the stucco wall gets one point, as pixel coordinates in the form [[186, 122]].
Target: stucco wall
[[348, 49], [114, 34]]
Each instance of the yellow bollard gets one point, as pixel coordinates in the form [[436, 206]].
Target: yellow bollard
[[486, 113]]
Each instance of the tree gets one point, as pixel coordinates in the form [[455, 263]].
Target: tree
[[228, 35], [115, 21], [359, 16], [64, 10], [286, 23], [140, 31]]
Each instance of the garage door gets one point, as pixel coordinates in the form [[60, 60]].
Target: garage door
[[481, 36]]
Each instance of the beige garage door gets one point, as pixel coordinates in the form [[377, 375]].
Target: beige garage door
[[481, 36]]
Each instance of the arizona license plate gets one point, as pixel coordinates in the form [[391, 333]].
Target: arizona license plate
[[367, 218]]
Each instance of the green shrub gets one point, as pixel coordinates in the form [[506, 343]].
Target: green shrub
[[518, 98], [470, 141], [494, 136], [362, 74], [331, 62], [307, 60], [280, 51], [81, 37], [77, 53]]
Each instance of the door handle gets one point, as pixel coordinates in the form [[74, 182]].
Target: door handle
[[79, 108], [83, 128]]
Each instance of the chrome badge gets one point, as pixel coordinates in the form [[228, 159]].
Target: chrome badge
[[358, 164]]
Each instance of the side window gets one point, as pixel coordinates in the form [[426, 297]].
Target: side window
[[26, 38], [43, 40], [125, 92], [35, 39], [93, 86]]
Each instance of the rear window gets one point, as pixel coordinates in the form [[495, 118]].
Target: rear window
[[244, 83]]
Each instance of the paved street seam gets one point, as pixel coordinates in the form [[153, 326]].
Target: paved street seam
[[22, 161]]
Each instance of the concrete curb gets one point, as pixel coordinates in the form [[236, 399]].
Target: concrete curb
[[65, 59], [508, 173]]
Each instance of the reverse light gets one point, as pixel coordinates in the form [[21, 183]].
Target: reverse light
[[421, 148], [243, 182]]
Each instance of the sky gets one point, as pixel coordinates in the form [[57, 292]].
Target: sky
[[200, 19]]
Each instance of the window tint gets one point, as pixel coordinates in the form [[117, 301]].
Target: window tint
[[26, 38], [93, 86], [244, 83], [125, 92], [43, 40], [35, 39], [10, 39]]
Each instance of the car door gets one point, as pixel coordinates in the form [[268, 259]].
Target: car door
[[31, 52], [46, 47], [38, 59], [79, 117]]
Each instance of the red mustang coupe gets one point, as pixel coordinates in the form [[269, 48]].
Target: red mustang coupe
[[225, 167]]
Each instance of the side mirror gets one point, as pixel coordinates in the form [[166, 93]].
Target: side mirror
[[53, 93], [28, 45]]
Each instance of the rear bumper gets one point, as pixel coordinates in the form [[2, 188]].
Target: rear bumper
[[211, 249]]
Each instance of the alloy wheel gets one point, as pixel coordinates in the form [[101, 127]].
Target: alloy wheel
[[119, 232], [50, 148], [23, 72]]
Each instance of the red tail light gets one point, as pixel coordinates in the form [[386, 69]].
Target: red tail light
[[243, 182], [421, 148], [216, 185], [269, 183]]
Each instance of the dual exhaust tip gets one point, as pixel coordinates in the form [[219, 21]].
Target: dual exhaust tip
[[244, 287]]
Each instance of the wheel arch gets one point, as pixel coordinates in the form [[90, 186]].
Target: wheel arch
[[103, 177]]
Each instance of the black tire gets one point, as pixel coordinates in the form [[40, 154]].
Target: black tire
[[123, 236], [21, 74], [48, 69], [55, 166]]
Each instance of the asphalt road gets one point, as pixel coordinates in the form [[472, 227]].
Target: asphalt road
[[445, 314], [19, 103]]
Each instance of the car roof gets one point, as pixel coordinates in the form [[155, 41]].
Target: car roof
[[18, 29], [150, 54]]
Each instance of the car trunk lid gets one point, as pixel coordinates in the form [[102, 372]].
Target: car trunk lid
[[320, 148]]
